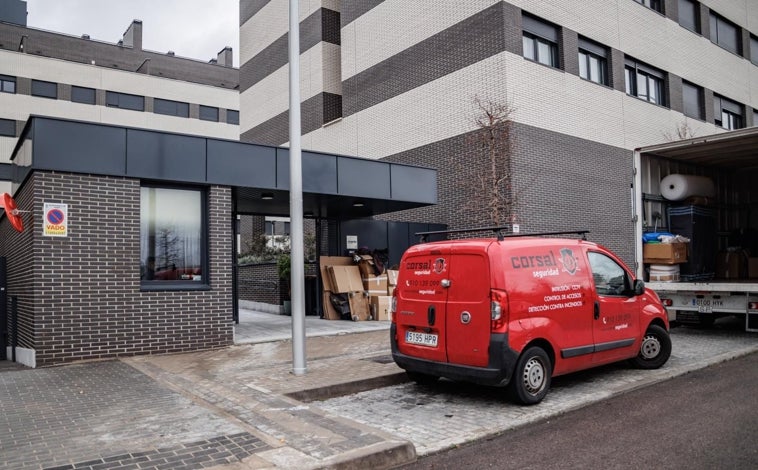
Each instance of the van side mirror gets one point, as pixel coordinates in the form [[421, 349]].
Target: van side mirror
[[639, 287]]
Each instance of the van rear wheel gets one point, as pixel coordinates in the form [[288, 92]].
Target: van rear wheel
[[531, 379], [422, 379]]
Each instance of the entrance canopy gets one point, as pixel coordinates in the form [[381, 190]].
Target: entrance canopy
[[334, 186]]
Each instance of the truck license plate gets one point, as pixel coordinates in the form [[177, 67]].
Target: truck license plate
[[704, 305], [424, 339]]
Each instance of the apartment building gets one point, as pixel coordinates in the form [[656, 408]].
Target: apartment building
[[78, 77], [585, 82]]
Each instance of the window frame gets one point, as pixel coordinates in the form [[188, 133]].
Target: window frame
[[700, 91], [181, 284], [655, 5], [76, 92], [754, 49], [7, 124], [650, 74], [729, 109], [589, 50], [119, 100], [203, 116], [5, 80], [715, 21], [536, 33], [170, 108], [233, 112], [44, 89], [695, 16]]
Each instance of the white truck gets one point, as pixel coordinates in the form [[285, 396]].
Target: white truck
[[720, 277]]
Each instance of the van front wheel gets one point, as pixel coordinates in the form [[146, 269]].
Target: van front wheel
[[531, 379], [655, 349]]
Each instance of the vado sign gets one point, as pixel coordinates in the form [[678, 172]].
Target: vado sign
[[55, 221]]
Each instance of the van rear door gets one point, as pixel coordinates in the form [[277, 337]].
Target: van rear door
[[421, 300], [468, 316]]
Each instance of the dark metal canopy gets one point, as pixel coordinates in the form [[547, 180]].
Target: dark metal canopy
[[334, 186]]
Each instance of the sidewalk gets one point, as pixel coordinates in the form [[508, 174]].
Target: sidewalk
[[241, 407]]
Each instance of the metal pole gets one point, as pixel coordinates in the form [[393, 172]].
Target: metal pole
[[297, 257]]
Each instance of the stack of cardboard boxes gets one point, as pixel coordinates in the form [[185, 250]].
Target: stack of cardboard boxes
[[355, 289]]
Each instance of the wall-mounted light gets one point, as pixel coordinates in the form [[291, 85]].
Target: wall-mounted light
[[358, 204], [267, 196]]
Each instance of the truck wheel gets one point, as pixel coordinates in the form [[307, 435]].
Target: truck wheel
[[422, 379], [655, 349], [531, 378]]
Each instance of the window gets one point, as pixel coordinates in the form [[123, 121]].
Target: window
[[8, 127], [656, 5], [208, 113], [171, 108], [172, 242], [7, 84], [644, 82], [540, 41], [232, 116], [754, 49], [44, 89], [593, 62], [82, 95], [725, 34], [689, 15], [727, 113], [692, 98], [755, 118], [610, 278], [124, 101]]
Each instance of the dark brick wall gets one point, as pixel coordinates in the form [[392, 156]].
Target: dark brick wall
[[82, 299], [258, 283], [75, 49], [559, 183], [18, 249]]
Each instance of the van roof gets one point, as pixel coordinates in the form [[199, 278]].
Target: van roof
[[509, 243]]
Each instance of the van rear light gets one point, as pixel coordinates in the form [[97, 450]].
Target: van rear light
[[498, 310], [393, 306]]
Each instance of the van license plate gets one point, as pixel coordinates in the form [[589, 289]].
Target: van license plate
[[424, 339]]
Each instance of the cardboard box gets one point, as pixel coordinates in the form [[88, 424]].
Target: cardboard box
[[390, 290], [330, 313], [392, 276], [731, 265], [752, 268], [375, 285], [359, 306], [664, 253], [380, 307], [325, 261], [366, 265], [345, 279]]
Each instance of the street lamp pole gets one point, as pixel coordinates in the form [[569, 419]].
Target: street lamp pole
[[297, 257]]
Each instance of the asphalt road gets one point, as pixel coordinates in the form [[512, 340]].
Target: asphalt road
[[707, 419]]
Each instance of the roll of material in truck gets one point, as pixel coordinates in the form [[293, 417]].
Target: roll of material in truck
[[677, 187]]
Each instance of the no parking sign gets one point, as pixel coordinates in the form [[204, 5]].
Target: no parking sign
[[55, 221]]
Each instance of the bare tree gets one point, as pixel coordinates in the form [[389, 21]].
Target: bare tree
[[682, 131], [492, 154]]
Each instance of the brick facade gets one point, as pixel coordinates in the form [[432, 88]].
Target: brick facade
[[79, 296]]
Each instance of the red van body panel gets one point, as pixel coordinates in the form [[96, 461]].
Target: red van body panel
[[572, 297]]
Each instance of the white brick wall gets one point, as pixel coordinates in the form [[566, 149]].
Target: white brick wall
[[19, 107], [542, 97], [272, 21]]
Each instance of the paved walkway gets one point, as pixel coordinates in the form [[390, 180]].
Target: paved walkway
[[241, 407]]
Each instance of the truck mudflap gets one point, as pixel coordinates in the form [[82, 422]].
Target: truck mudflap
[[502, 361]]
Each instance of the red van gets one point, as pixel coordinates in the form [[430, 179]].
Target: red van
[[517, 310]]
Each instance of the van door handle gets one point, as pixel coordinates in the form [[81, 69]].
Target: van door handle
[[430, 314], [597, 310]]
